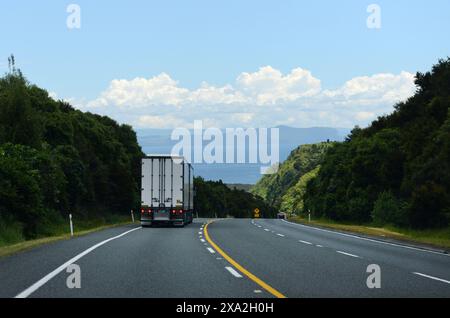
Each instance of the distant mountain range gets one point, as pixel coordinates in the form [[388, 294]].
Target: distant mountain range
[[158, 141]]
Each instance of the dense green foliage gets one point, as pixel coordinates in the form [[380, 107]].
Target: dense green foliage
[[396, 171], [284, 189], [216, 198], [55, 160]]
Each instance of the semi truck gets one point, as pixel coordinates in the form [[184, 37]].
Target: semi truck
[[167, 191]]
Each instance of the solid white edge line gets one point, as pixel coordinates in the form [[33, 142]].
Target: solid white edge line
[[211, 250], [305, 242], [348, 254], [233, 272], [27, 292], [367, 239], [432, 277]]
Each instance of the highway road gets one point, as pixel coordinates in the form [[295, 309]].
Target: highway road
[[233, 258]]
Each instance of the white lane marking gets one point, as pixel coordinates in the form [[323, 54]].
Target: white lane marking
[[233, 272], [367, 239], [319, 245], [200, 233], [27, 292], [305, 242], [211, 250], [202, 240], [348, 254], [432, 277], [280, 235], [257, 291], [259, 226], [267, 230], [219, 258]]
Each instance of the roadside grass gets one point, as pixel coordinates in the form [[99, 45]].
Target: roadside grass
[[12, 240], [439, 238]]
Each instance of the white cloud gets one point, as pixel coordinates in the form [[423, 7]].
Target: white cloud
[[165, 121], [269, 86], [264, 98]]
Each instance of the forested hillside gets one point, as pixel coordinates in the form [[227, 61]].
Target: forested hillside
[[397, 171], [216, 198], [284, 190], [55, 160]]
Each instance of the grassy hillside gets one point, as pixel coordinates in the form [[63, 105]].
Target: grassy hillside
[[396, 171], [285, 188], [55, 160]]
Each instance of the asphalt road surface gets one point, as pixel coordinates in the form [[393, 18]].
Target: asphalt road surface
[[226, 259]]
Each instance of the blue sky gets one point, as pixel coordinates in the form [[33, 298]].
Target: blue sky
[[215, 42]]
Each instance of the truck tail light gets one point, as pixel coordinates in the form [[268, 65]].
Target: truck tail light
[[180, 211], [146, 211]]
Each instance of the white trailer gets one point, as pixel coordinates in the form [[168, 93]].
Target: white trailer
[[167, 191]]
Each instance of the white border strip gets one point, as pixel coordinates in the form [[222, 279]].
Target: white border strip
[[432, 277], [27, 292]]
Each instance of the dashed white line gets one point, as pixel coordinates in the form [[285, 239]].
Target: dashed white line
[[280, 235], [202, 240], [348, 254], [211, 250], [319, 246], [432, 277], [259, 226], [27, 292], [233, 272], [267, 230], [366, 239], [305, 242], [257, 291]]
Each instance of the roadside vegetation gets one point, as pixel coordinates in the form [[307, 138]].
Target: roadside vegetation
[[391, 178], [397, 170], [285, 189], [215, 198], [55, 160]]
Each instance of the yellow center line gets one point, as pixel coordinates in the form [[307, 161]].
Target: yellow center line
[[252, 277]]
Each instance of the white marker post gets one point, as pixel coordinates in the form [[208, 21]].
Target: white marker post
[[309, 217], [132, 216], [71, 225]]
